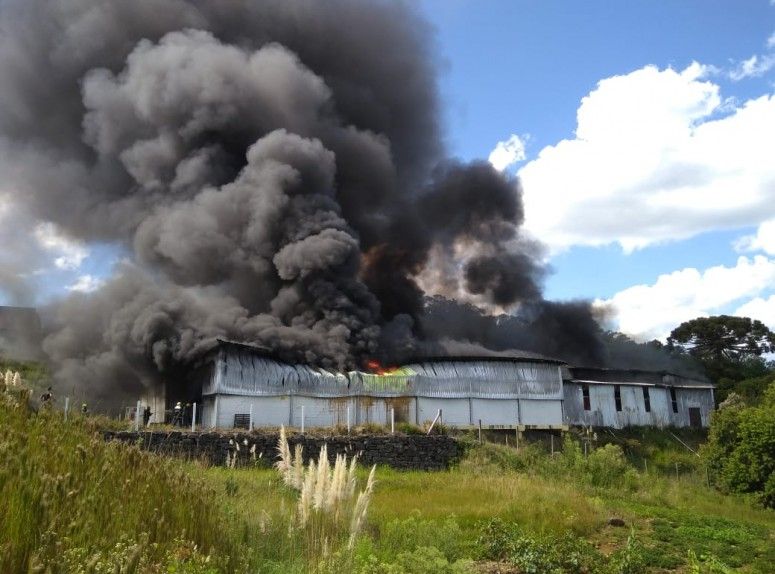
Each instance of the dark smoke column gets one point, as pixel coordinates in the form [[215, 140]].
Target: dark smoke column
[[273, 169]]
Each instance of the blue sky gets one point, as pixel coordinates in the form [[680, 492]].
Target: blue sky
[[523, 68], [644, 135]]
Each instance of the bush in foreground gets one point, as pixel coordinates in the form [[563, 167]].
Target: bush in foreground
[[741, 448]]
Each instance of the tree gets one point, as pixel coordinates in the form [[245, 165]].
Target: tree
[[729, 348], [741, 448], [723, 338]]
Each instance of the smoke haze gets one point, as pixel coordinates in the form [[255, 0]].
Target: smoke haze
[[276, 171]]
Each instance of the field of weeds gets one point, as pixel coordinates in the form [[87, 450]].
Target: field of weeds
[[70, 502]]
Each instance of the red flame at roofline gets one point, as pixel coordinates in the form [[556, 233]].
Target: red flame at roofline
[[376, 368]]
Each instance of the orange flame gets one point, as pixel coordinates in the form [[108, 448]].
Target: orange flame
[[375, 367]]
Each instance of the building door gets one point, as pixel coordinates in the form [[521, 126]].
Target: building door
[[695, 418]]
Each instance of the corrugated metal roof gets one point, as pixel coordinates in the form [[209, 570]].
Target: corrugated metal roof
[[242, 370], [633, 377]]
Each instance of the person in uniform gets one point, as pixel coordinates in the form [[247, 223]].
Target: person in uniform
[[47, 398], [177, 419]]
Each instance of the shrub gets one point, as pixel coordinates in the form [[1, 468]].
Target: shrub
[[547, 553], [741, 449], [408, 428], [606, 466], [414, 532]]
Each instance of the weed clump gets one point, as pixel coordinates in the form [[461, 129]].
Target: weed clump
[[328, 512], [551, 553]]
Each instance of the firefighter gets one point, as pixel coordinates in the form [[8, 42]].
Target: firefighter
[[177, 418], [84, 409], [47, 398], [146, 415]]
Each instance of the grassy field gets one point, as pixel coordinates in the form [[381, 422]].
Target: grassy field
[[71, 503]]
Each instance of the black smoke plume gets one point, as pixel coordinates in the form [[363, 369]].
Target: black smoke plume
[[274, 170]]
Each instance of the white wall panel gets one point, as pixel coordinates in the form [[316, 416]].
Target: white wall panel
[[494, 412], [541, 413], [455, 412]]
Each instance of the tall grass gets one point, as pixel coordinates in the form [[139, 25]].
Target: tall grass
[[63, 489]]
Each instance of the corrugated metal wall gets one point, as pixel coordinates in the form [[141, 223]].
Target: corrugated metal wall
[[498, 392], [603, 405], [495, 391]]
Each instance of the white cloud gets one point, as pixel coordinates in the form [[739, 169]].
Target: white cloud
[[652, 311], [771, 41], [763, 240], [86, 284], [69, 254], [658, 156], [508, 152], [753, 67], [759, 308]]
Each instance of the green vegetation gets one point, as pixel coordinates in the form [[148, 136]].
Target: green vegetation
[[741, 448], [730, 350], [67, 498], [70, 502]]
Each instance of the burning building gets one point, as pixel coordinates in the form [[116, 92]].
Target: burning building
[[239, 385], [275, 173]]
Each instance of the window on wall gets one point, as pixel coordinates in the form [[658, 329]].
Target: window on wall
[[674, 400], [585, 394], [618, 398], [646, 399]]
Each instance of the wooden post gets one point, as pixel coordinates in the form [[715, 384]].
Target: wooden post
[[250, 421], [551, 439], [348, 419], [392, 420], [67, 406], [480, 431], [302, 419], [137, 417], [193, 418]]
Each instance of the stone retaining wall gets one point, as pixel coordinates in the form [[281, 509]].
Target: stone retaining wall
[[408, 452]]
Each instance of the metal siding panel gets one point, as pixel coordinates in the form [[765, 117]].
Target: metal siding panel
[[227, 407], [377, 410], [574, 407], [541, 412], [454, 411], [207, 412], [495, 412], [661, 409], [633, 406], [700, 398], [268, 411]]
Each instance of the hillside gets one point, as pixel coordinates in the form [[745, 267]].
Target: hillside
[[72, 503]]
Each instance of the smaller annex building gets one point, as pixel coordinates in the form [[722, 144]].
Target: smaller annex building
[[620, 398], [240, 383]]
